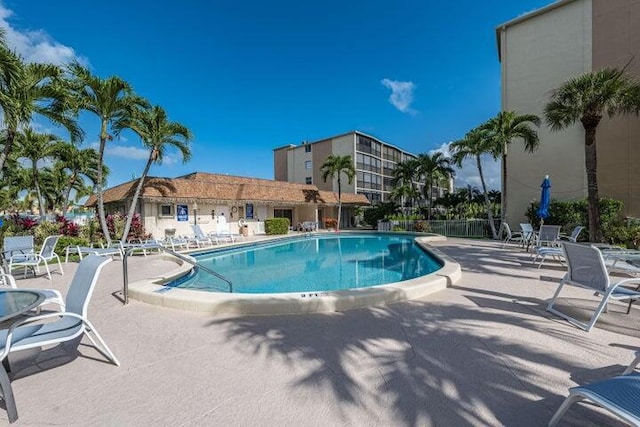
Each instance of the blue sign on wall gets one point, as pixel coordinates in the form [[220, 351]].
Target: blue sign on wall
[[249, 210], [182, 212]]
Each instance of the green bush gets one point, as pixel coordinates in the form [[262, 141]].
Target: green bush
[[373, 214], [45, 229], [65, 241], [570, 214], [276, 226]]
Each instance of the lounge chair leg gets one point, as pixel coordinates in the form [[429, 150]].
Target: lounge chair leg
[[102, 348], [7, 393], [573, 398]]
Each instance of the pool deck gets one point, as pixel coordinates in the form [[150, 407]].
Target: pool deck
[[483, 352]]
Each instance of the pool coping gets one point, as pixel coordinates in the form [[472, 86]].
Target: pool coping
[[151, 291]]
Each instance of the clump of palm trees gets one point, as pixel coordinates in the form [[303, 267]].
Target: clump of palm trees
[[54, 168]]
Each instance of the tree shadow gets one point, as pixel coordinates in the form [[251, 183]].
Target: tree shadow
[[429, 363]]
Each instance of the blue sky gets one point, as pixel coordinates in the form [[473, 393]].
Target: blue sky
[[250, 76]]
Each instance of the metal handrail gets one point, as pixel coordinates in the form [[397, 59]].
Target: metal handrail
[[125, 269]]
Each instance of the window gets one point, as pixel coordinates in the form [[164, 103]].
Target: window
[[307, 180], [307, 148], [307, 164], [166, 210]]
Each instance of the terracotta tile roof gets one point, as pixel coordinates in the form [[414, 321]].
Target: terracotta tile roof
[[225, 188]]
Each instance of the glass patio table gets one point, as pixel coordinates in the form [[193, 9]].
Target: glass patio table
[[13, 303]]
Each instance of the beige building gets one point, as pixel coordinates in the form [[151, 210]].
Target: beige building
[[174, 204], [374, 162], [538, 52]]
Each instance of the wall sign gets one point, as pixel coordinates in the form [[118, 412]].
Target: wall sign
[[182, 212], [248, 209]]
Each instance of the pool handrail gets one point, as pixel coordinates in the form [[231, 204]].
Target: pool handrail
[[125, 270]]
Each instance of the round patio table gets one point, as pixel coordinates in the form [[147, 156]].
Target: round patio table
[[14, 302]]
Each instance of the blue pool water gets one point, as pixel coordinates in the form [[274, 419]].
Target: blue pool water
[[313, 264]]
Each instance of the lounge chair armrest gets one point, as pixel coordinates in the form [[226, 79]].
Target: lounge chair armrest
[[29, 320]]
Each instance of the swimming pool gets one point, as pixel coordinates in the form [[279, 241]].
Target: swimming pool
[[156, 290], [315, 263]]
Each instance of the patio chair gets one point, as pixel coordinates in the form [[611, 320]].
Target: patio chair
[[200, 236], [587, 269], [510, 236], [52, 296], [528, 233], [34, 260], [69, 324], [618, 395], [573, 237], [16, 245]]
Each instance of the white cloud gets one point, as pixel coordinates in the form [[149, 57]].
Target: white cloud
[[36, 45], [134, 153], [468, 173], [401, 94]]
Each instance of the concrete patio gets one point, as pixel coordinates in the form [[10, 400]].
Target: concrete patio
[[481, 353]]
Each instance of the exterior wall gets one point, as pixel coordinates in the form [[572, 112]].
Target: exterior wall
[[280, 164], [538, 54], [616, 41], [344, 146], [319, 152]]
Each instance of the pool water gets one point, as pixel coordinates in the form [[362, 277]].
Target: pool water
[[314, 263]]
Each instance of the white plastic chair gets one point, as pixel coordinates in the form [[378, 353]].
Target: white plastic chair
[[587, 269], [52, 296], [34, 260], [511, 236], [619, 395], [68, 324]]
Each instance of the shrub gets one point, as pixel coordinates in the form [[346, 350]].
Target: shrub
[[330, 223], [65, 241], [422, 226], [372, 215], [44, 230], [274, 226]]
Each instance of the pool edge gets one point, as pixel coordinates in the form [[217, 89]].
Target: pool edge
[[152, 292]]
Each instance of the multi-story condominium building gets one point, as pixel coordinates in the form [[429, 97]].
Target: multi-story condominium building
[[374, 162], [538, 52]]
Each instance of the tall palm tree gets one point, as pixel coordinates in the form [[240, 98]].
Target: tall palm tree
[[32, 89], [587, 98], [434, 168], [503, 129], [112, 100], [475, 144], [157, 134], [405, 176], [37, 148], [78, 164], [333, 167]]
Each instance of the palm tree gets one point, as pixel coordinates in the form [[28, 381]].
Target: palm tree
[[78, 163], [587, 98], [36, 147], [474, 144], [335, 166], [405, 175], [434, 168], [28, 90], [157, 134], [503, 129], [112, 100]]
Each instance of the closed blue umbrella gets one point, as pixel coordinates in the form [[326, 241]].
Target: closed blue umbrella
[[545, 199]]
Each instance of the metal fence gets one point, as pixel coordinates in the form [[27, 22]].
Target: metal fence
[[450, 228]]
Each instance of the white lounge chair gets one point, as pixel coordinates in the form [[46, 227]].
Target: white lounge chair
[[52, 296], [587, 269], [68, 325], [510, 236], [200, 236], [619, 395], [88, 250], [34, 260]]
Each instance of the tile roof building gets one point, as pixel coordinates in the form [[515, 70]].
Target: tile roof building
[[211, 195]]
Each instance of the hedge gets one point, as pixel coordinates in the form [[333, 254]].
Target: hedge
[[276, 226]]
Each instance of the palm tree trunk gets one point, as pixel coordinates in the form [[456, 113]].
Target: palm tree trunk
[[339, 202], [503, 196], [134, 202], [67, 194], [36, 184], [487, 202], [99, 188], [591, 164], [8, 144]]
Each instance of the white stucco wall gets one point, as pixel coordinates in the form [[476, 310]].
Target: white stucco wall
[[538, 55]]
